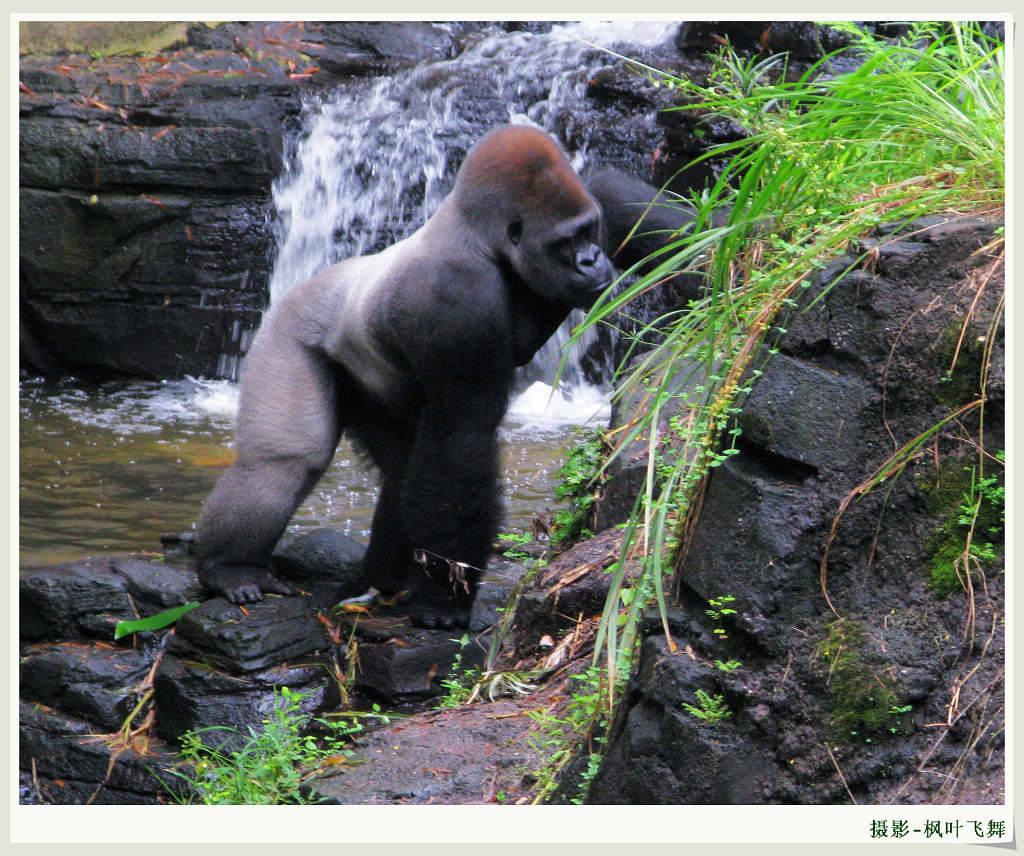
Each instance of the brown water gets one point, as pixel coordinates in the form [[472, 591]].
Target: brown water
[[110, 468]]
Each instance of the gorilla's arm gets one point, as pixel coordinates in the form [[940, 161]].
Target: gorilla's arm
[[625, 200], [662, 218], [449, 497]]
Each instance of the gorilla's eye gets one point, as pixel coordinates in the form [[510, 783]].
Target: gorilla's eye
[[515, 232]]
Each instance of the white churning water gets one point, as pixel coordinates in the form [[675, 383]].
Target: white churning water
[[374, 160]]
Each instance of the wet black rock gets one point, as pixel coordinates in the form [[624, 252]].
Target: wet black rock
[[65, 762], [267, 633], [326, 563], [94, 683], [192, 695], [858, 653], [801, 40], [77, 600], [661, 754], [145, 190], [219, 670]]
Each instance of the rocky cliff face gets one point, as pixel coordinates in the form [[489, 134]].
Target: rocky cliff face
[[817, 706], [145, 189], [856, 659]]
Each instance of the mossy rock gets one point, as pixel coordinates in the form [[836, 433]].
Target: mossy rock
[[949, 499], [863, 701], [108, 38]]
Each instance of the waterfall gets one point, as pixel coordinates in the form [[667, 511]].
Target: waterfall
[[376, 157]]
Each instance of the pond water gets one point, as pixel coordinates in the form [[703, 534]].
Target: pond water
[[109, 468]]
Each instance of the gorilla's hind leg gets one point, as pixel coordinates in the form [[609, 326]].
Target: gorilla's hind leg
[[285, 442], [243, 519]]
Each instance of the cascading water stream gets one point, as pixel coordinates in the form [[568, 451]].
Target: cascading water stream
[[376, 158]]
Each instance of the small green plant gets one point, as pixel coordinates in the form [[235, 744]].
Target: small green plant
[[587, 776], [460, 682], [271, 765], [718, 610], [711, 709], [558, 739], [531, 563], [727, 666], [512, 539], [580, 481], [972, 533]]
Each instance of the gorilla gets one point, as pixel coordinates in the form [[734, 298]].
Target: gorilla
[[411, 353]]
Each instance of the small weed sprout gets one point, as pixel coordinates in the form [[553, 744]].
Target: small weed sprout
[[460, 682], [718, 610]]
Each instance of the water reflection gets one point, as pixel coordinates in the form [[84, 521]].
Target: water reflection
[[110, 468]]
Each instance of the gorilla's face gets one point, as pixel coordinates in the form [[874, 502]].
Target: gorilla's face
[[561, 259], [522, 197]]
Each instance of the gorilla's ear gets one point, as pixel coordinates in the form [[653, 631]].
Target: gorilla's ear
[[515, 232]]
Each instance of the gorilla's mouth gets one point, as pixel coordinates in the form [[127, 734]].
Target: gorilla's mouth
[[589, 297]]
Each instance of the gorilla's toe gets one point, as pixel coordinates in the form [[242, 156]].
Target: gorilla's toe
[[243, 584], [438, 618], [244, 594]]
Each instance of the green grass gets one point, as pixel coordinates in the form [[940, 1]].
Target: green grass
[[917, 129], [272, 765]]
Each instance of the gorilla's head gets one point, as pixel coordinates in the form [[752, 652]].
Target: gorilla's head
[[520, 194]]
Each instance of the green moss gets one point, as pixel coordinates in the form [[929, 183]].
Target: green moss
[[863, 702], [965, 504], [942, 572], [960, 385]]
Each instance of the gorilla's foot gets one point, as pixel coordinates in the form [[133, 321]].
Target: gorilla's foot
[[438, 616], [434, 607], [243, 583]]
